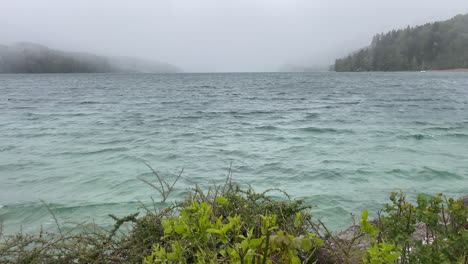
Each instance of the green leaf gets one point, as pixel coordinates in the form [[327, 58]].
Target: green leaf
[[214, 231], [226, 228], [180, 229], [244, 245], [306, 244], [298, 220], [295, 260], [364, 215], [221, 200], [168, 229], [256, 242], [393, 256]]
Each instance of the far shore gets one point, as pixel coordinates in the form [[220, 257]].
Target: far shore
[[451, 70]]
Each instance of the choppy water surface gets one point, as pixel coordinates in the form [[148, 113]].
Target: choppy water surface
[[340, 141]]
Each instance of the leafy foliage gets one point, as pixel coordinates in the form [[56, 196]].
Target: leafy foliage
[[442, 227], [197, 235], [229, 224]]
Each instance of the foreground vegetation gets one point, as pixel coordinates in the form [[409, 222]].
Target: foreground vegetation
[[435, 46], [230, 224]]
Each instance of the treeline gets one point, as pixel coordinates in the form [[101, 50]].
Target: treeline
[[433, 46], [35, 58]]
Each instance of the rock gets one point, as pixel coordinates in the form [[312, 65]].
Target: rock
[[348, 235]]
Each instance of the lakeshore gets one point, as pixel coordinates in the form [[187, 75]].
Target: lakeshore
[[451, 70]]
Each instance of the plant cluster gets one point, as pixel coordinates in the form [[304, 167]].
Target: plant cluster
[[434, 230], [199, 236], [229, 224]]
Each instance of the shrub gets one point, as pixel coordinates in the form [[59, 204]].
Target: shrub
[[197, 235], [230, 224]]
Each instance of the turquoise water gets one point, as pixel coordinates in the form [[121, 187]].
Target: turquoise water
[[341, 141]]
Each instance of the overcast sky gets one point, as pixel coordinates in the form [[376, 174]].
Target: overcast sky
[[216, 35]]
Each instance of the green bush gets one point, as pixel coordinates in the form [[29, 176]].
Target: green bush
[[197, 235], [440, 223], [230, 224]]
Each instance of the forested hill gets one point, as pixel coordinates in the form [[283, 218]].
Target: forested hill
[[35, 58], [434, 46]]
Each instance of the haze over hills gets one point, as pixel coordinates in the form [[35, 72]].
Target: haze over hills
[[303, 68], [433, 46], [35, 58]]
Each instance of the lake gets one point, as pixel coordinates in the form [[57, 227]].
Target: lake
[[340, 141]]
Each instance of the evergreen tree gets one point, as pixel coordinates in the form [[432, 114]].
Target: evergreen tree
[[436, 46]]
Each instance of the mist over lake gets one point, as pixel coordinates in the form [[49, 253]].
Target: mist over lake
[[340, 141]]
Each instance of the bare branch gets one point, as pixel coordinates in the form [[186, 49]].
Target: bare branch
[[53, 216]]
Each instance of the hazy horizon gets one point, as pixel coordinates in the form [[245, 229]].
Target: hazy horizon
[[214, 35]]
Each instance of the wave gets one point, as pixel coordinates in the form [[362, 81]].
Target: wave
[[6, 148], [425, 173], [267, 127], [416, 100], [425, 136], [79, 114], [416, 136], [62, 207], [288, 99], [312, 115], [24, 107], [189, 117], [100, 151], [325, 130], [335, 161], [205, 86], [457, 135], [349, 103], [115, 141], [327, 174], [439, 128], [444, 108], [88, 102], [433, 174], [188, 134], [275, 138], [298, 109]]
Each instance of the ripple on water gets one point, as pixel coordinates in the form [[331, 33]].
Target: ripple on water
[[326, 130], [342, 140], [267, 127], [416, 136]]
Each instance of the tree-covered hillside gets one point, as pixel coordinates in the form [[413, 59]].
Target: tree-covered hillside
[[35, 58], [434, 46]]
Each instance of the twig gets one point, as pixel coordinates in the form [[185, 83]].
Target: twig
[[120, 221], [157, 176], [165, 188], [175, 181], [154, 205], [228, 178], [443, 217], [53, 216], [1, 227]]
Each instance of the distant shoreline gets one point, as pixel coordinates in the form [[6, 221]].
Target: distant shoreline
[[451, 70]]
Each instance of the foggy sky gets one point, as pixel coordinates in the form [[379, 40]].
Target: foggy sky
[[216, 35]]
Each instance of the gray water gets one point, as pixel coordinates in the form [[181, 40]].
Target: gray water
[[340, 141]]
